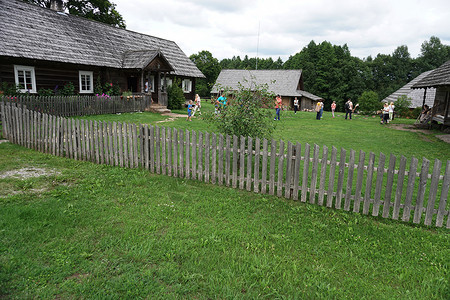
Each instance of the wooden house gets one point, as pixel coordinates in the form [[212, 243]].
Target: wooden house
[[44, 48], [440, 80], [418, 96], [286, 83]]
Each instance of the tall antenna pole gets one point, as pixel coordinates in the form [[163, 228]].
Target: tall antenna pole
[[257, 45]]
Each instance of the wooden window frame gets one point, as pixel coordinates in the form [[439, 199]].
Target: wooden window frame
[[19, 68], [91, 88], [189, 85]]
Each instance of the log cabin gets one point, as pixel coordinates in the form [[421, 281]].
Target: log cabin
[[44, 48], [286, 83]]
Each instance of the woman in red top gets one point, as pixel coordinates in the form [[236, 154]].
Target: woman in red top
[[278, 107]]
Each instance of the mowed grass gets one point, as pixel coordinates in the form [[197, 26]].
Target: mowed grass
[[361, 133], [94, 231]]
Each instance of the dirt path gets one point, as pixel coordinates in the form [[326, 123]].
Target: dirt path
[[404, 127], [172, 117]]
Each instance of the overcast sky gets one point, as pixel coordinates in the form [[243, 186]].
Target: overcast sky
[[230, 28]]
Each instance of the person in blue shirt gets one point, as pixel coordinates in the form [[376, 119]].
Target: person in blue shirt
[[222, 101], [189, 111]]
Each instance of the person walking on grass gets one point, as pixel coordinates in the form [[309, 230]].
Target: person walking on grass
[[295, 105], [278, 103], [189, 111], [385, 114], [391, 111], [319, 109], [348, 108], [333, 108], [197, 106]]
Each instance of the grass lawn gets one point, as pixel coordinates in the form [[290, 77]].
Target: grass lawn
[[81, 230]]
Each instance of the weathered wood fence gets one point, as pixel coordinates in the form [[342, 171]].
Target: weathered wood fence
[[67, 106], [319, 177]]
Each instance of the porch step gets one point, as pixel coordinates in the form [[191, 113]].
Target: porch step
[[160, 109]]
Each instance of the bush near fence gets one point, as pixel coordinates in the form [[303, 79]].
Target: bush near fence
[[276, 168]]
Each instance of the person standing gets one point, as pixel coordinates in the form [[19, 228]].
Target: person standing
[[385, 114], [391, 111], [278, 103], [198, 105], [348, 108], [221, 101], [295, 105], [319, 109], [189, 111], [333, 108]]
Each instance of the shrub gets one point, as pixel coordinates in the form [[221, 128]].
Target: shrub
[[246, 114], [415, 113], [369, 103], [45, 92], [8, 89], [68, 89], [402, 106], [175, 95]]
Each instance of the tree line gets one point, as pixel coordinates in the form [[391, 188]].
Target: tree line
[[331, 72]]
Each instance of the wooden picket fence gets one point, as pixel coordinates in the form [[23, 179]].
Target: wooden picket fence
[[320, 177], [68, 106]]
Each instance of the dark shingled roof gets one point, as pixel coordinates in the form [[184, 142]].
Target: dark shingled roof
[[414, 95], [29, 31], [439, 77], [282, 82]]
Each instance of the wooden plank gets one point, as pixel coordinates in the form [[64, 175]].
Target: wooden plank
[[220, 163], [359, 182], [421, 192], [58, 137], [305, 173], [116, 143], [289, 171], [106, 142], [96, 143], [146, 147], [323, 172], [443, 200], [69, 137], [264, 167], [257, 163], [433, 192], [120, 143], [389, 187], [331, 176], [91, 140], [181, 154], [378, 186], [83, 139], [134, 146], [368, 192], [410, 189], [188, 162], [207, 156], [228, 161], [340, 183], [200, 157], [280, 169], [213, 158], [399, 189], [3, 119], [314, 174], [79, 139], [242, 163], [248, 183], [152, 149], [297, 154], [141, 138], [126, 152], [194, 155], [273, 157], [349, 187], [235, 162], [175, 152], [169, 151], [163, 151], [157, 150]]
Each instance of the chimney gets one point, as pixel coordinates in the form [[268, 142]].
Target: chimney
[[57, 5]]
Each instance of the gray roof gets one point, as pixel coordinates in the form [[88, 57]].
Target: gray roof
[[30, 31], [282, 82], [414, 95], [439, 77]]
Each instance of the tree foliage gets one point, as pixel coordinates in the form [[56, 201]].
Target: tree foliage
[[210, 67], [369, 102], [246, 113], [175, 95], [402, 106], [98, 10]]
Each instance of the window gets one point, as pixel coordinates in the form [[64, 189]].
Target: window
[[86, 82], [152, 83], [25, 78], [168, 82], [187, 85]]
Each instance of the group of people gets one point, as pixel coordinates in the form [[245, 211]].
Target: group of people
[[387, 113], [193, 107]]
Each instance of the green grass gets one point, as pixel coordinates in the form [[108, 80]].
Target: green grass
[[95, 231]]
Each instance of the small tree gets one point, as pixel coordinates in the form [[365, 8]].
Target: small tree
[[246, 114], [369, 103], [402, 106], [175, 95]]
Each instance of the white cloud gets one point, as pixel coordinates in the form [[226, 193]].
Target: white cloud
[[230, 28]]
